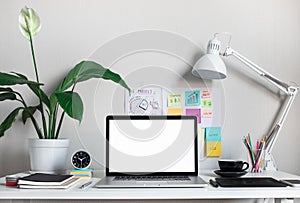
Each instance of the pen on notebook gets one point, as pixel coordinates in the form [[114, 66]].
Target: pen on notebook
[[213, 183], [85, 185]]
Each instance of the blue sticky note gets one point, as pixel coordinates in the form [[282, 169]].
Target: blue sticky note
[[213, 134], [192, 98]]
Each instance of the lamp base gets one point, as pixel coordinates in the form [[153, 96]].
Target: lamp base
[[269, 162]]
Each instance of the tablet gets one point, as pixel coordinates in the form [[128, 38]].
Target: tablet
[[292, 182], [250, 182]]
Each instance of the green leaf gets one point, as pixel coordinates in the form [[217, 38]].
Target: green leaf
[[28, 112], [5, 89], [44, 97], [71, 103], [36, 90], [53, 102], [7, 96], [86, 70], [8, 79], [109, 75], [10, 119]]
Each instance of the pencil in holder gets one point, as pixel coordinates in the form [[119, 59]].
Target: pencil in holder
[[256, 153], [259, 158]]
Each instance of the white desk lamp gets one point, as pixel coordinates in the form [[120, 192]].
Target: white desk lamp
[[210, 66]]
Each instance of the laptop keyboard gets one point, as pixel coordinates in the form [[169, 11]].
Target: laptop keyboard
[[151, 178]]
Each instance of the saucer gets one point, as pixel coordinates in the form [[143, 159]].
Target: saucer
[[230, 173]]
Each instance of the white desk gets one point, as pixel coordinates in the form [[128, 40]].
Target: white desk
[[90, 193]]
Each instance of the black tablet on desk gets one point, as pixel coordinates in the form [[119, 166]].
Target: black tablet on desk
[[292, 182], [250, 182]]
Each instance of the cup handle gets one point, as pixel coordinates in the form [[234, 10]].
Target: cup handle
[[247, 166]]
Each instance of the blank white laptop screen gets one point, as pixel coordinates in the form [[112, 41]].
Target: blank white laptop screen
[[149, 146]]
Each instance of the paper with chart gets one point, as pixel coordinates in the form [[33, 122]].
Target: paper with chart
[[144, 101]]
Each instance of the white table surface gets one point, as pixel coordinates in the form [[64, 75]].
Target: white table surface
[[155, 193]]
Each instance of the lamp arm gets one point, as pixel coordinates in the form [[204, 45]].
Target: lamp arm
[[271, 78], [273, 134], [289, 90]]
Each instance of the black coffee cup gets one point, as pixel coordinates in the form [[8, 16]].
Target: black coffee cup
[[233, 165]]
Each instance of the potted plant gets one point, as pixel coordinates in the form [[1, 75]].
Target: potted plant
[[63, 96]]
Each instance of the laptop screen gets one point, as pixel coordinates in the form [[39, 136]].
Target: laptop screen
[[151, 145]]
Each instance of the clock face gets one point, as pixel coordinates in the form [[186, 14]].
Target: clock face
[[81, 159]]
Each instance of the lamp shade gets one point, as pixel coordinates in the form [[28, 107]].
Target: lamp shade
[[210, 67]]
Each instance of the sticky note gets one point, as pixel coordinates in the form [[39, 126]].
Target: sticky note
[[174, 99], [192, 98], [206, 103], [213, 134], [201, 149], [194, 112], [205, 94], [201, 133], [213, 149], [174, 111], [207, 113]]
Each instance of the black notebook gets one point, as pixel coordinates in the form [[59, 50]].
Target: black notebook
[[250, 182], [44, 179]]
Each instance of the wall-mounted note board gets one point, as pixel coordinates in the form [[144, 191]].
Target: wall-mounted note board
[[204, 103]]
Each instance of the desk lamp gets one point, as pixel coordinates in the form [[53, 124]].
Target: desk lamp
[[211, 66]]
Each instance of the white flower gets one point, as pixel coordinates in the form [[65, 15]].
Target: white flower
[[29, 22]]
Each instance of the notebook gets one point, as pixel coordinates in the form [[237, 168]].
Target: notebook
[[151, 151], [47, 181], [44, 179]]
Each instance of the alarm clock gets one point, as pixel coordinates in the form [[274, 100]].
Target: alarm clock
[[81, 159]]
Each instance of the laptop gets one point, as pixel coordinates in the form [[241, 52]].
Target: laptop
[[151, 151]]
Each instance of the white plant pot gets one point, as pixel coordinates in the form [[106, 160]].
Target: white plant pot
[[48, 155]]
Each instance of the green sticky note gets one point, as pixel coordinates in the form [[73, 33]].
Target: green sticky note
[[206, 103], [174, 99]]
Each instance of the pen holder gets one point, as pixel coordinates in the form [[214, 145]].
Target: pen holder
[[256, 153], [257, 159]]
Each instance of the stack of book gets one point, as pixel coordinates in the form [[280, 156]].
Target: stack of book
[[82, 173], [47, 181]]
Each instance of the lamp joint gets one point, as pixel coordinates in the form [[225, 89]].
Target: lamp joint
[[293, 90], [228, 51]]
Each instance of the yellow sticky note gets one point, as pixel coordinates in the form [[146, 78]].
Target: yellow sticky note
[[213, 149], [174, 111]]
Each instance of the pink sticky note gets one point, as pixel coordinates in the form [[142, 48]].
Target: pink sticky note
[[205, 94], [207, 114], [194, 112]]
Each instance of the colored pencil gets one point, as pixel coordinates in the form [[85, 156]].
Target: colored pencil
[[256, 153]]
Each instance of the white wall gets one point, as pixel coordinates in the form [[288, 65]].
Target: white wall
[[268, 32]]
